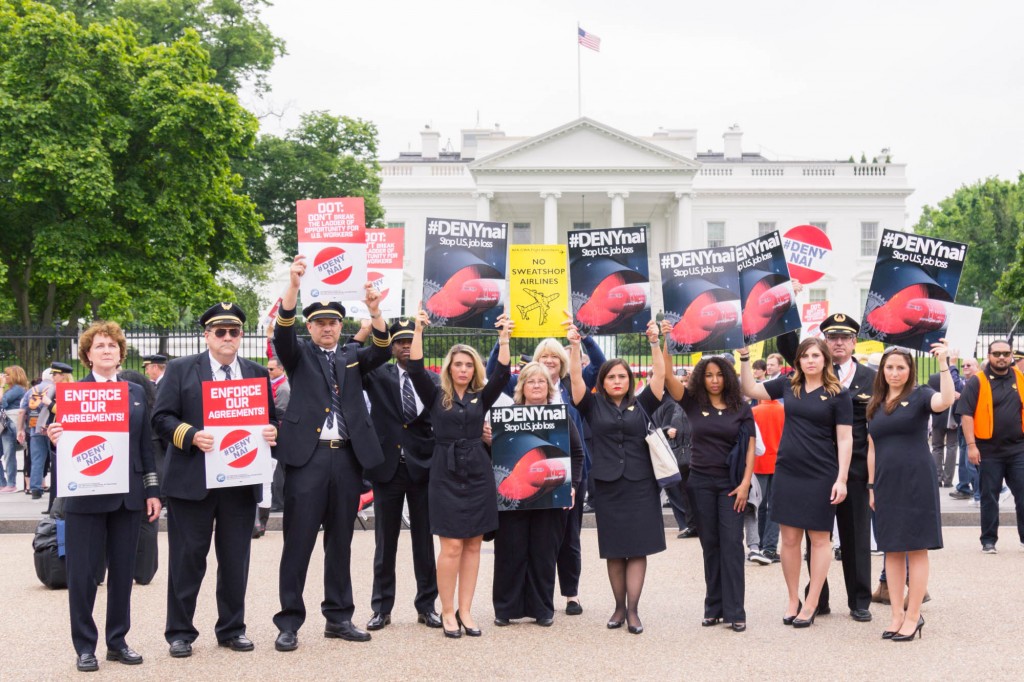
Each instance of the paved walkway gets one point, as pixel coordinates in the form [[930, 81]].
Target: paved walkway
[[965, 637]]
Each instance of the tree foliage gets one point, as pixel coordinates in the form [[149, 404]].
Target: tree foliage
[[117, 195], [241, 47], [989, 217], [325, 156]]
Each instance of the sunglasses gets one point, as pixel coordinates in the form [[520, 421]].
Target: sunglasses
[[220, 332], [839, 337], [1001, 353]]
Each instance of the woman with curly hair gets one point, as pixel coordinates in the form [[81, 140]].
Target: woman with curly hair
[[463, 500], [812, 466], [721, 422]]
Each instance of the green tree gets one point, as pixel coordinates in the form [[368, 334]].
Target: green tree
[[989, 217], [117, 196], [241, 47], [325, 156]]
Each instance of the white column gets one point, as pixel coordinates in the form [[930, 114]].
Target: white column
[[618, 208], [483, 205], [550, 216], [684, 222]]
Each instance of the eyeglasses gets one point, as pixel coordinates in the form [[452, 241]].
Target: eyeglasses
[[839, 337], [220, 332], [1000, 353]]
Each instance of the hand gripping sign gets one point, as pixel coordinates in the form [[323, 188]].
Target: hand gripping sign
[[236, 412], [331, 237], [92, 453]]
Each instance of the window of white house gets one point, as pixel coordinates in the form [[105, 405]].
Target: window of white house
[[716, 234], [764, 228], [397, 223], [820, 224], [521, 233], [868, 239], [817, 295]]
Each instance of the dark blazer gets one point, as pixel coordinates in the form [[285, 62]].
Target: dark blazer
[[142, 480], [417, 437], [178, 416], [308, 373]]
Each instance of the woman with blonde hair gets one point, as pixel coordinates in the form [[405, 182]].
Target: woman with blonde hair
[[13, 384], [463, 500], [106, 527], [526, 546], [812, 465]]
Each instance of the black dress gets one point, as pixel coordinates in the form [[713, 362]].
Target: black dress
[[629, 519], [462, 496], [907, 516], [808, 460]]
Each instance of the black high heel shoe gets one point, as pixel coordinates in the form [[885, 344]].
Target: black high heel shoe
[[788, 620], [800, 623], [919, 630], [472, 632], [453, 634]]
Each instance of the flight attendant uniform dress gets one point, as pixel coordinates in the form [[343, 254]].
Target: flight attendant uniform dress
[[808, 460], [629, 518], [907, 516], [463, 499]]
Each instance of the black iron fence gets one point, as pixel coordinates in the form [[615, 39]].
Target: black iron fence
[[35, 350]]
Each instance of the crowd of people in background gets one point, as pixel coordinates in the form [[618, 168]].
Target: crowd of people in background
[[799, 449]]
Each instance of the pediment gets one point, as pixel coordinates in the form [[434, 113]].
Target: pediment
[[583, 145]]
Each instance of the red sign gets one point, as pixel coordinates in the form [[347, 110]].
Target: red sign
[[812, 315], [92, 455], [89, 406], [808, 252], [241, 402], [239, 449]]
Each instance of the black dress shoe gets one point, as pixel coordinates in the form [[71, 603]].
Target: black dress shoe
[[286, 641], [545, 622], [502, 622], [429, 618], [347, 631], [378, 621], [87, 663], [125, 655], [860, 615], [239, 643], [180, 649], [573, 608]]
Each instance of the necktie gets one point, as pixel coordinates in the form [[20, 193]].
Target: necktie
[[227, 372], [408, 400], [335, 413]]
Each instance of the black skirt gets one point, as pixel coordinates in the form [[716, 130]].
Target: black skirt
[[629, 518]]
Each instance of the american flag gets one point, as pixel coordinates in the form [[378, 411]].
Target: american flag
[[589, 40]]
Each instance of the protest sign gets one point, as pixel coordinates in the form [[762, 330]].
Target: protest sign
[[808, 252], [385, 254], [701, 291], [812, 315], [769, 302], [530, 455], [331, 238], [611, 290], [236, 412], [464, 266], [538, 290], [914, 282], [962, 331], [93, 452]]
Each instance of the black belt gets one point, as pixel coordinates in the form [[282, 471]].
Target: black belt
[[451, 446], [335, 444]]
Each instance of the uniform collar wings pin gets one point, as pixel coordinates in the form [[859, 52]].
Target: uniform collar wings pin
[[823, 397], [706, 414], [473, 400], [630, 408], [904, 403], [864, 396]]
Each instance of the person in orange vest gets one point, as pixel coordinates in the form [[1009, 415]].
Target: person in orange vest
[[769, 415], [991, 408]]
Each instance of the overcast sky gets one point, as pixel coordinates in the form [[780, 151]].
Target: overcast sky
[[939, 83]]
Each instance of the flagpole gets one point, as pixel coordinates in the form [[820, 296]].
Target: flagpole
[[579, 79]]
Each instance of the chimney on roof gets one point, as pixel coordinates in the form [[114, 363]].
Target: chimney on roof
[[430, 143], [733, 142]]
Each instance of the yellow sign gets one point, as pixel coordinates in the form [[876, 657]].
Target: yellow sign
[[538, 289], [868, 347]]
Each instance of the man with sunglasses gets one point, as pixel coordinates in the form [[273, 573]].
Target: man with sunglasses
[[853, 515], [990, 408], [192, 510]]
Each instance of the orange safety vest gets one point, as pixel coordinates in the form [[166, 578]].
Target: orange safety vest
[[984, 414]]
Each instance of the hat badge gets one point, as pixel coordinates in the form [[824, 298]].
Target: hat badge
[[225, 306], [840, 318]]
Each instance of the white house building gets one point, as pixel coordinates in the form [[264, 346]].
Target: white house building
[[585, 174]]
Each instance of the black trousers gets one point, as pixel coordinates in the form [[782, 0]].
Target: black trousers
[[720, 530], [116, 534], [525, 552], [325, 491], [679, 500], [853, 519], [225, 517], [388, 499], [570, 554]]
